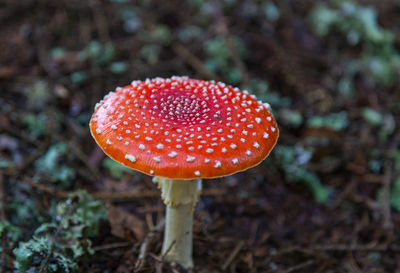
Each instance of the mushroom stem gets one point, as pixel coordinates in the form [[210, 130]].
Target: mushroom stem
[[177, 245], [180, 197]]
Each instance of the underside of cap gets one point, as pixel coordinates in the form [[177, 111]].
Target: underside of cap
[[176, 192], [181, 128]]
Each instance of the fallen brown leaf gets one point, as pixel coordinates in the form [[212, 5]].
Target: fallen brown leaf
[[125, 225]]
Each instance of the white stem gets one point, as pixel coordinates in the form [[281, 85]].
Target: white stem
[[177, 244], [180, 196]]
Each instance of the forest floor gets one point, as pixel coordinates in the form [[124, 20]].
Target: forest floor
[[326, 200]]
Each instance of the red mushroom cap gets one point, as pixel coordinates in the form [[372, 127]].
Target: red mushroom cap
[[182, 128]]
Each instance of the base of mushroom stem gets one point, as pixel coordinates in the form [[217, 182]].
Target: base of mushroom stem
[[180, 197], [178, 235]]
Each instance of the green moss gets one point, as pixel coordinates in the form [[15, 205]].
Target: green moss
[[293, 161], [38, 94], [11, 232], [159, 34], [35, 124], [59, 245], [358, 24], [219, 58], [78, 77], [118, 67], [53, 163], [98, 53], [290, 117], [374, 118], [150, 53], [333, 121]]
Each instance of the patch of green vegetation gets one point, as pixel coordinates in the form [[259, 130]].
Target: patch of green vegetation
[[345, 85], [53, 163], [198, 4], [292, 118], [379, 60], [358, 22], [59, 245], [78, 77], [394, 198], [159, 34], [394, 195], [374, 118], [189, 32], [132, 22], [11, 232], [281, 105], [57, 53], [22, 216], [333, 121], [219, 60], [270, 11], [384, 122], [150, 53], [293, 161], [83, 119], [98, 53], [22, 210], [5, 164], [35, 124], [38, 94], [118, 67], [116, 170]]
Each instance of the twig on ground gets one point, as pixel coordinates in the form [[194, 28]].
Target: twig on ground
[[159, 267], [233, 255], [125, 195], [353, 264], [155, 257], [149, 217], [368, 247], [299, 266], [108, 195], [322, 267], [111, 246], [47, 189], [346, 192], [168, 250], [144, 194], [303, 250], [146, 243], [149, 210]]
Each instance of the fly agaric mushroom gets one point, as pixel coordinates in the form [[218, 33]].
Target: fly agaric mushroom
[[181, 130]]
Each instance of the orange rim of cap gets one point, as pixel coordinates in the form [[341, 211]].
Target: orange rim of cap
[[182, 128]]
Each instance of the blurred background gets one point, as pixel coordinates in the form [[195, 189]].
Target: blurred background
[[326, 200]]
